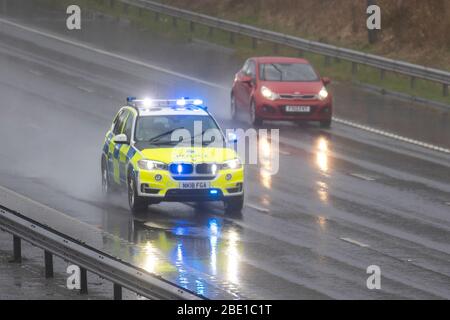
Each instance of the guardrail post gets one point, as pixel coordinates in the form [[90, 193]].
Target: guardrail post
[[83, 281], [210, 32], [191, 26], [301, 53], [156, 16], [327, 61], [17, 250], [382, 74], [445, 90], [174, 22], [111, 3], [254, 43], [354, 68], [125, 8], [117, 292], [140, 12], [48, 258], [412, 82]]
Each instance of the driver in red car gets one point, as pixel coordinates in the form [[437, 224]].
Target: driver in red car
[[279, 88]]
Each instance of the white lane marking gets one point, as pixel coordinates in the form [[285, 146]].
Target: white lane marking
[[285, 153], [361, 176], [215, 85], [391, 135], [35, 72], [253, 206], [349, 240], [85, 89], [447, 203], [113, 55]]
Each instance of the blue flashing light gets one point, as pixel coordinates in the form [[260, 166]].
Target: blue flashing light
[[130, 99], [213, 192], [181, 168]]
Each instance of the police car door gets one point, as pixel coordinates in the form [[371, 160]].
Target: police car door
[[126, 151], [114, 147]]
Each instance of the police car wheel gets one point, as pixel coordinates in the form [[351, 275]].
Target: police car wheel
[[234, 205], [137, 203], [106, 186]]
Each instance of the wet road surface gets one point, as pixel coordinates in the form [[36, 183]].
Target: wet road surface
[[342, 200]]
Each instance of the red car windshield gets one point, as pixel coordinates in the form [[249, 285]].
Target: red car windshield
[[287, 72]]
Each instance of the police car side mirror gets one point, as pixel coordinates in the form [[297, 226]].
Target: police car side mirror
[[121, 138]]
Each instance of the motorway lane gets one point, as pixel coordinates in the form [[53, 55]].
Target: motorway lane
[[287, 244]]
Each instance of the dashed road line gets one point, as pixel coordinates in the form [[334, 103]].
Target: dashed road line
[[360, 244], [253, 206], [363, 177], [88, 90]]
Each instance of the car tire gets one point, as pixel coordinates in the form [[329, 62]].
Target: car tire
[[325, 124], [107, 188], [233, 109], [254, 120], [137, 204], [234, 205]]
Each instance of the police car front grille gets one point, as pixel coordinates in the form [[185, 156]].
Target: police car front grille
[[189, 171], [186, 168], [205, 168], [192, 177]]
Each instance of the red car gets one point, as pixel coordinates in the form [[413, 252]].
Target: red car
[[279, 88]]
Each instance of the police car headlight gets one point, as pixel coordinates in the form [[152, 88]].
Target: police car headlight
[[323, 93], [232, 164], [151, 165]]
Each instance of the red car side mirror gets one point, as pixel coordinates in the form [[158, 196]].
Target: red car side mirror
[[245, 78], [326, 81]]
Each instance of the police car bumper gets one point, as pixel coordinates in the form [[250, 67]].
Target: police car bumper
[[161, 186]]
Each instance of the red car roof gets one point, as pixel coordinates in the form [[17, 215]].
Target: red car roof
[[280, 60]]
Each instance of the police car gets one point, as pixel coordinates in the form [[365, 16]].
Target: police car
[[171, 150]]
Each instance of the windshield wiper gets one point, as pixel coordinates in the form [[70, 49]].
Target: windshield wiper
[[158, 137], [278, 69], [161, 143]]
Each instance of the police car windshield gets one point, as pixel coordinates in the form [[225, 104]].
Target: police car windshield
[[172, 130]]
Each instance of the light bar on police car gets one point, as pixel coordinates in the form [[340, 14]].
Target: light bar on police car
[[134, 102]]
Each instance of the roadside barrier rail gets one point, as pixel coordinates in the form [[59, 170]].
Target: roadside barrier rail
[[120, 273]]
